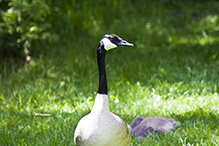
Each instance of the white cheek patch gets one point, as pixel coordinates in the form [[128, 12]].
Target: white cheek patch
[[108, 44]]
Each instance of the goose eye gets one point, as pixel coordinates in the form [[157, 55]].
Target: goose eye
[[116, 39]]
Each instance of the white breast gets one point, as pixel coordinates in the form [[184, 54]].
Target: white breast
[[101, 127]]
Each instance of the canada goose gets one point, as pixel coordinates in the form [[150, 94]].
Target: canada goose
[[101, 127], [142, 127]]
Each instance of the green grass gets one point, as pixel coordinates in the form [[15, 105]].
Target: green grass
[[172, 71]]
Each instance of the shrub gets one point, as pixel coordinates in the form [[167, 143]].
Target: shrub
[[21, 23]]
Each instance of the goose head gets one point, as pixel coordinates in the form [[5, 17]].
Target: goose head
[[110, 41]]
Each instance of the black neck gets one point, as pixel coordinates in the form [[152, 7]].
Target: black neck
[[101, 52]]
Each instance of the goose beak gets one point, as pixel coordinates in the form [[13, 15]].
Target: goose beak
[[124, 43]]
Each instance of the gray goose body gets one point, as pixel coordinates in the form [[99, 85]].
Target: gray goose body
[[101, 127], [143, 127]]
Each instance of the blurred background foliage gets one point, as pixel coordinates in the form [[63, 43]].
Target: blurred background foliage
[[40, 28], [23, 22]]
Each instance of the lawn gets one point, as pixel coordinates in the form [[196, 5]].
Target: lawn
[[172, 71]]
